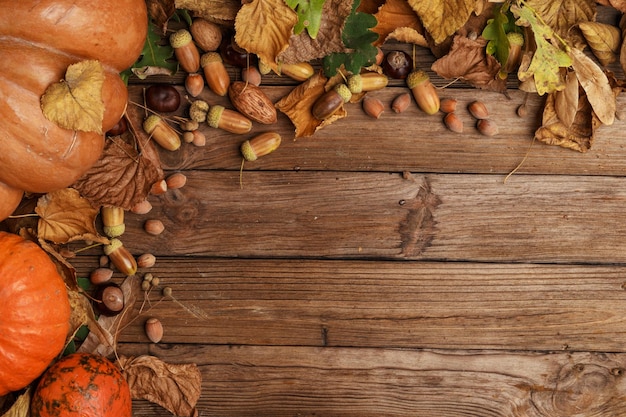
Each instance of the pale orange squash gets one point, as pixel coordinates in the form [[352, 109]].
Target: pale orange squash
[[38, 41]]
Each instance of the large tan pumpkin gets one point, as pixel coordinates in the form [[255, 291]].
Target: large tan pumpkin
[[38, 41]]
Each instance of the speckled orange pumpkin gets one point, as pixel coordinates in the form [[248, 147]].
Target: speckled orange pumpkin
[[34, 312], [82, 385]]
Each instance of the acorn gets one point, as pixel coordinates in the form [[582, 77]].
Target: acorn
[[121, 257], [300, 71], [229, 120], [331, 101], [215, 73], [113, 221], [185, 50], [161, 132], [367, 81], [260, 145], [424, 91]]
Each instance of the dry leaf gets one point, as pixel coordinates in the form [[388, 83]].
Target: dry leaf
[[603, 39], [76, 103], [161, 11], [21, 406], [618, 4], [219, 11], [175, 387], [65, 216], [596, 85], [397, 19], [579, 136], [562, 15], [264, 27], [302, 48], [566, 100], [122, 176], [442, 18], [468, 61], [298, 103]]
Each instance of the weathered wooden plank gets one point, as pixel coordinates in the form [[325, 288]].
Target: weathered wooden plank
[[289, 381], [386, 215], [386, 304], [411, 141]]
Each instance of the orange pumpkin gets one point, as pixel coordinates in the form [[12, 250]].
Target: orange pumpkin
[[39, 39], [82, 385], [34, 312]]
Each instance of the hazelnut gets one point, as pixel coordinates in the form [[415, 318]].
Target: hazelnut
[[478, 110], [176, 180], [154, 330], [147, 260], [452, 122], [487, 127], [154, 227]]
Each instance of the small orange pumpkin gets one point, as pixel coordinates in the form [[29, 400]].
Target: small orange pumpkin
[[34, 312], [39, 39], [82, 385]]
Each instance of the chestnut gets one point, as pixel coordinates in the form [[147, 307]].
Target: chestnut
[[120, 128], [109, 299], [162, 98], [397, 64], [233, 54]]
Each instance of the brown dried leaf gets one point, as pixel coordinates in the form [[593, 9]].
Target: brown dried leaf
[[123, 175], [579, 136], [302, 48], [566, 100], [617, 4], [442, 18], [298, 103], [65, 216], [175, 387], [396, 18], [160, 11], [468, 61], [264, 27], [596, 85], [219, 11], [604, 40]]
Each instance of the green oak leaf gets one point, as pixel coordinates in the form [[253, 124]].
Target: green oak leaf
[[495, 33], [155, 57], [359, 39], [309, 15]]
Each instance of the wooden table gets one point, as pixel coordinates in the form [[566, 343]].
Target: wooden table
[[390, 268]]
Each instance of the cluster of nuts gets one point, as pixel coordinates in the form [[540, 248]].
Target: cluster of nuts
[[477, 109]]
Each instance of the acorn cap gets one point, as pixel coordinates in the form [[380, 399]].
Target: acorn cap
[[344, 92], [180, 38], [355, 83], [515, 38], [214, 115], [416, 77], [248, 152], [114, 245], [151, 122], [210, 57]]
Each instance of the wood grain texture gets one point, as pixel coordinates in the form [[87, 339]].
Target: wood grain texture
[[387, 304], [299, 381], [387, 215]]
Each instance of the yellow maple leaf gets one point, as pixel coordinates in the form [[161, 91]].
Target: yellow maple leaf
[[75, 102], [263, 27], [443, 18]]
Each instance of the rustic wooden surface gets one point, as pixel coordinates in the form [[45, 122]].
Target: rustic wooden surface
[[391, 268]]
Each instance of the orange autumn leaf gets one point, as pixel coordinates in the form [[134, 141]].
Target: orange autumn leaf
[[298, 103], [263, 27], [397, 20]]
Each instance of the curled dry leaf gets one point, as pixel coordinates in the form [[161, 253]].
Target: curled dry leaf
[[298, 103], [175, 387], [566, 100], [596, 85], [579, 136], [396, 19], [467, 60], [604, 40], [65, 216], [264, 27]]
